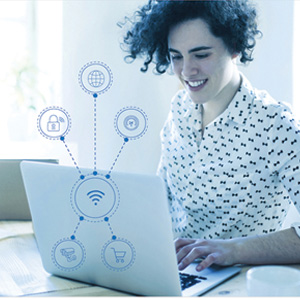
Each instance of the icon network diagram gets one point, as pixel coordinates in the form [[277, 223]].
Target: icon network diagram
[[94, 197]]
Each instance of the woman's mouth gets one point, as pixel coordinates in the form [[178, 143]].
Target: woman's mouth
[[196, 84]]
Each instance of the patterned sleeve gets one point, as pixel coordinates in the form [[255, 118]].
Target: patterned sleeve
[[284, 153]]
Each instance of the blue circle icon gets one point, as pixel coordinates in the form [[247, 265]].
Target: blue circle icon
[[68, 254], [95, 197], [131, 123], [54, 123], [118, 254], [95, 78]]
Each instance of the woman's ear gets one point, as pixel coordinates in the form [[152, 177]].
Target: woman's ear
[[235, 55]]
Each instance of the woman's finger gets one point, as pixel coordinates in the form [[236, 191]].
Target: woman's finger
[[207, 262], [179, 243], [188, 254]]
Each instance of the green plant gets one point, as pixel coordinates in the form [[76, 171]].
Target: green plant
[[24, 79]]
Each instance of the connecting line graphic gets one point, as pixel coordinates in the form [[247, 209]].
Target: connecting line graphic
[[95, 131], [114, 163], [106, 219], [73, 237], [72, 157]]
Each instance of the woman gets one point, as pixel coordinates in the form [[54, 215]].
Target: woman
[[230, 153]]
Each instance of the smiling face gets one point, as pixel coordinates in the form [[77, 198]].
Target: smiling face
[[202, 63]]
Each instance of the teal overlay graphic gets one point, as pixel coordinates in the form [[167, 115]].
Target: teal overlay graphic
[[131, 123], [68, 255], [54, 123], [95, 197], [118, 254], [95, 78]]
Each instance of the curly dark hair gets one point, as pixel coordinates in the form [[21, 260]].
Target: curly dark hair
[[234, 21]]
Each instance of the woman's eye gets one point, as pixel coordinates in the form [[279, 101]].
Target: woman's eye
[[201, 56], [176, 57]]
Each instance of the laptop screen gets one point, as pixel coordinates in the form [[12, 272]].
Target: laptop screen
[[13, 200]]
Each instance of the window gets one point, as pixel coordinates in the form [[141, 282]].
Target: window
[[30, 60], [296, 59]]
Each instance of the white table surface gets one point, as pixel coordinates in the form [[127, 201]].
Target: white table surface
[[22, 273]]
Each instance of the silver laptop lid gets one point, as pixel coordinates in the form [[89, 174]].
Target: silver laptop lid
[[110, 229]]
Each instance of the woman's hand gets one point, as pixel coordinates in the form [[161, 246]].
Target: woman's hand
[[281, 247], [221, 252]]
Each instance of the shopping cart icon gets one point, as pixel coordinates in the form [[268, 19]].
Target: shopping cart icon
[[119, 255], [68, 253]]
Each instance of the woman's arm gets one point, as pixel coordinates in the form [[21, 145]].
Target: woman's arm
[[282, 247]]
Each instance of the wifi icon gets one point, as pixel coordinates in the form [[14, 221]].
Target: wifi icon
[[95, 196]]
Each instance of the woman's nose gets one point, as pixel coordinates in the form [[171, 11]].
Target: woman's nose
[[189, 69]]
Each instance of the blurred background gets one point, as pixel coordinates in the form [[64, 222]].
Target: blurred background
[[44, 44]]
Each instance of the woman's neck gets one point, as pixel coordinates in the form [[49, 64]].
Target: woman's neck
[[212, 109]]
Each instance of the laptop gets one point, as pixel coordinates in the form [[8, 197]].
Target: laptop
[[110, 229], [13, 200]]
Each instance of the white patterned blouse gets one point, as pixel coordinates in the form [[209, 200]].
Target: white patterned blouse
[[240, 176]]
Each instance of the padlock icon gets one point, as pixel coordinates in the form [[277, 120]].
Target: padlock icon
[[53, 124]]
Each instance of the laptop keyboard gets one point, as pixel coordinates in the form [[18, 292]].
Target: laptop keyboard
[[188, 280]]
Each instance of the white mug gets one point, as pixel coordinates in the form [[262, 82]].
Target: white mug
[[272, 281]]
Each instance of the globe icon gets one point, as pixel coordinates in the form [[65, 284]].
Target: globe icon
[[96, 78]]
